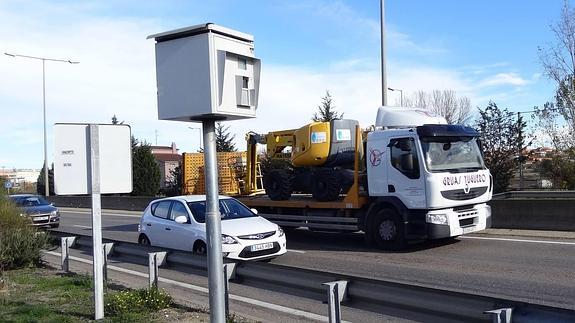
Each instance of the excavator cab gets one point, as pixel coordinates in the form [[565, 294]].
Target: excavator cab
[[323, 157], [327, 144]]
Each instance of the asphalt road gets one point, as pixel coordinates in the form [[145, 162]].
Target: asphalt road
[[534, 269]]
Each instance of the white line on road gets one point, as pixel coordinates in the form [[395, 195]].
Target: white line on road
[[112, 214], [267, 305], [520, 240], [296, 251], [82, 226]]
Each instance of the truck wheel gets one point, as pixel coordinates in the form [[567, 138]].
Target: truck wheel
[[278, 184], [388, 230], [326, 185]]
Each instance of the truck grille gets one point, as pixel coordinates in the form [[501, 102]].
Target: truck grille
[[466, 222], [460, 195]]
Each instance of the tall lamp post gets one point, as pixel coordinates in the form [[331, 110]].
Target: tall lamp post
[[200, 129], [400, 94], [44, 59]]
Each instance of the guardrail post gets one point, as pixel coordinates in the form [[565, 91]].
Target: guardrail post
[[229, 273], [155, 260], [502, 315], [65, 244], [107, 249], [336, 292]]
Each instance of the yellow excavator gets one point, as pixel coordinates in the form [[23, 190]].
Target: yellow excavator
[[321, 161]]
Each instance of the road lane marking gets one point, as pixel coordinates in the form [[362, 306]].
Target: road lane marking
[[275, 307], [296, 251], [521, 240], [82, 226], [112, 214]]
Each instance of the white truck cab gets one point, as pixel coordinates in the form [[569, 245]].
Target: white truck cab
[[429, 173]]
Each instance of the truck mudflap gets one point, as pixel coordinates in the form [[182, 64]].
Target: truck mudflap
[[447, 223]]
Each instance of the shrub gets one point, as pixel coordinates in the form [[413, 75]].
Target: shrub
[[140, 300], [20, 242]]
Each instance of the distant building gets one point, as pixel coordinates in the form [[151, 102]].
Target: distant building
[[20, 177], [167, 158], [540, 153]]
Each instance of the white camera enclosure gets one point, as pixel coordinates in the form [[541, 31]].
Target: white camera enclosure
[[206, 72]]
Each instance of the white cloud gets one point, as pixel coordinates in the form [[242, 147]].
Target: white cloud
[[504, 79]]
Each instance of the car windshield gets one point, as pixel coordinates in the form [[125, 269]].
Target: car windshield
[[229, 209], [29, 200], [454, 156]]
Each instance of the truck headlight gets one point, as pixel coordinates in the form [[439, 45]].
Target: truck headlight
[[55, 214], [436, 218], [281, 232], [226, 239]]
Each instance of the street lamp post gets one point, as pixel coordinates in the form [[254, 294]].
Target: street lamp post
[[400, 94], [200, 129], [44, 59]]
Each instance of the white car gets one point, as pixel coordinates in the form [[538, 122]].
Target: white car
[[179, 223]]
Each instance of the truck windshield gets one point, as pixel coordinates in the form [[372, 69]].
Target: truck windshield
[[229, 209], [453, 156]]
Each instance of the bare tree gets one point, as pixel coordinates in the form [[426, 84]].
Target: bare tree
[[558, 62], [443, 102]]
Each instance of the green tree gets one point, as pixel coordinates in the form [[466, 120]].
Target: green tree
[[175, 185], [224, 139], [502, 140], [40, 183], [115, 120], [145, 170], [326, 110]]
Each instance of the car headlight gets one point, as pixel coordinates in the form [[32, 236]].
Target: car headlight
[[55, 214], [281, 232], [226, 239], [436, 218]]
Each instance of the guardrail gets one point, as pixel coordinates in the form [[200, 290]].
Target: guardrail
[[535, 195], [335, 288]]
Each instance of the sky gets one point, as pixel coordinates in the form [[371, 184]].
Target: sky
[[484, 50]]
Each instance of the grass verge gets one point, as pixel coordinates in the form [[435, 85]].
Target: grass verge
[[45, 295]]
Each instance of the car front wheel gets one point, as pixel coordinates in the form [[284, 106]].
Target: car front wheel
[[143, 240]]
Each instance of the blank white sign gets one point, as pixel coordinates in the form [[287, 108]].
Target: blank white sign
[[72, 159]]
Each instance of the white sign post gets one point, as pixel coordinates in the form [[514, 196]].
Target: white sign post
[[93, 159]]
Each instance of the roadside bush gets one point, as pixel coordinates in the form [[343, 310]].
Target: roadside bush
[[139, 300], [20, 243]]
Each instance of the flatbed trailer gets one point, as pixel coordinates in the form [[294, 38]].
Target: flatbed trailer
[[302, 211]]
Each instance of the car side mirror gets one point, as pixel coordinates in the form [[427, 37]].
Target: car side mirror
[[181, 219], [254, 210]]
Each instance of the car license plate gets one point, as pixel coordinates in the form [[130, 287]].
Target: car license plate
[[41, 218], [263, 246], [469, 229]]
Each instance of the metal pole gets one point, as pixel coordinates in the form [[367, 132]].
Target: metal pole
[[44, 59], [46, 177], [213, 227], [383, 75], [96, 223], [401, 97]]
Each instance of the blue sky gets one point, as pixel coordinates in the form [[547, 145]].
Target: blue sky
[[485, 50]]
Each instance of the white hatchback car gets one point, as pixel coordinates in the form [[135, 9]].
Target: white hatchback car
[[179, 223]]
